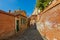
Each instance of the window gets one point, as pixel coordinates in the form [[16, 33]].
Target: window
[[23, 21]]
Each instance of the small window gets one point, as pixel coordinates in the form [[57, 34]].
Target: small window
[[23, 21]]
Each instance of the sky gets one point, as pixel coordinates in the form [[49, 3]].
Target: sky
[[27, 5]]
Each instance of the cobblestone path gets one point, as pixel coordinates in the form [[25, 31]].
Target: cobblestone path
[[29, 34]]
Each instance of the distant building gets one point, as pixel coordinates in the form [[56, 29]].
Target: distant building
[[35, 12], [33, 17], [23, 20], [11, 23]]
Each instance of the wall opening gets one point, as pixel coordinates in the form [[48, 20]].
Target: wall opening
[[17, 25]]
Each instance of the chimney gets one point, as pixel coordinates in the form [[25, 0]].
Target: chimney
[[9, 11]]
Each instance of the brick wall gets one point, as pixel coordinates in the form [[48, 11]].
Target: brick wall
[[24, 26], [7, 26], [19, 16], [50, 23]]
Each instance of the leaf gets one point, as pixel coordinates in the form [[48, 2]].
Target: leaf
[[41, 4]]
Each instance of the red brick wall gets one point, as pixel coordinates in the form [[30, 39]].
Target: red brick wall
[[50, 23], [6, 25], [24, 26]]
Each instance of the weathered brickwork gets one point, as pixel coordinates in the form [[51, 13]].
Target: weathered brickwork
[[49, 25], [7, 25], [22, 17], [11, 24]]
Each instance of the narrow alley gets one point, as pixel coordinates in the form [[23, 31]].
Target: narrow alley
[[29, 34]]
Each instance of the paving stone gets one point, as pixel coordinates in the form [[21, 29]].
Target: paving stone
[[29, 34]]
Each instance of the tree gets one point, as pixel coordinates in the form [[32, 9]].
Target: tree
[[41, 4]]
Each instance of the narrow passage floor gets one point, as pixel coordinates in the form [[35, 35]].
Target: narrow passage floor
[[29, 34]]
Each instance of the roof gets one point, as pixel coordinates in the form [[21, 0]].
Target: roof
[[20, 12], [11, 14], [7, 13], [20, 15]]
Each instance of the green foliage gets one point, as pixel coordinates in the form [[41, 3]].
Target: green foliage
[[41, 4]]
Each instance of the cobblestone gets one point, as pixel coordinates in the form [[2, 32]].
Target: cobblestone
[[29, 34]]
